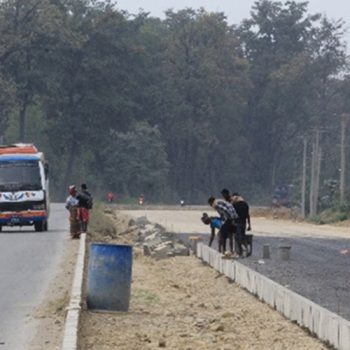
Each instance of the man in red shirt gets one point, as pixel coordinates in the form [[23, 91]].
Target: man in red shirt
[[110, 197]]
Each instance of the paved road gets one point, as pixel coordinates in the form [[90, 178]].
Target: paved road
[[28, 260]]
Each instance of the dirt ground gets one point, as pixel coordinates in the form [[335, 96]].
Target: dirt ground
[[188, 221], [179, 303]]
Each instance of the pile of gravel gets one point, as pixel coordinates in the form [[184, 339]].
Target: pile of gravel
[[155, 241]]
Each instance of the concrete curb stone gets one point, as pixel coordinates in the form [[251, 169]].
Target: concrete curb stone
[[70, 335], [327, 326]]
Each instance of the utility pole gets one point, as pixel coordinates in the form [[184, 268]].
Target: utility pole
[[312, 178], [318, 175], [303, 182], [344, 121], [315, 173]]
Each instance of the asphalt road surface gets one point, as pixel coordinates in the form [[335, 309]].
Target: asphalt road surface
[[28, 261]]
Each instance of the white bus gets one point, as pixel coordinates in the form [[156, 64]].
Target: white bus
[[24, 187]]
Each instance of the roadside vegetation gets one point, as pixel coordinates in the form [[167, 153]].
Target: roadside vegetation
[[332, 215], [101, 226]]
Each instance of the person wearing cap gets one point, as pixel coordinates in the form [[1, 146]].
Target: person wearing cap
[[72, 200], [228, 215], [215, 224], [242, 222], [72, 204]]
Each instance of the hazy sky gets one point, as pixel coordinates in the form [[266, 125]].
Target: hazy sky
[[235, 10]]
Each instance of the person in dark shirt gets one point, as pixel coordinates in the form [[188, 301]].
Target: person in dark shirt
[[85, 204], [215, 224], [242, 209], [227, 214], [242, 222]]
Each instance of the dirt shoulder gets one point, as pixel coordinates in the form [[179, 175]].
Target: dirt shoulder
[[179, 303]]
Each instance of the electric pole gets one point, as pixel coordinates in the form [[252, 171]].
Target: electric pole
[[303, 182], [344, 121], [315, 173]]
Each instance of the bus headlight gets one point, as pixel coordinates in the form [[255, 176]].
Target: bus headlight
[[40, 206]]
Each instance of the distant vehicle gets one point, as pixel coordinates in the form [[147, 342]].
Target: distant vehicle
[[24, 187], [281, 196], [141, 199]]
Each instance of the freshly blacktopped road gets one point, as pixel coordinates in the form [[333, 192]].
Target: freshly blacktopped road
[[28, 262]]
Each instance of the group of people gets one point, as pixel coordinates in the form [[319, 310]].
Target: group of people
[[231, 224], [79, 203]]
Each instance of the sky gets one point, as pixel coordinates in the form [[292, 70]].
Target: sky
[[235, 10]]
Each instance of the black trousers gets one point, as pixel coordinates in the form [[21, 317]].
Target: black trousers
[[226, 232], [240, 237]]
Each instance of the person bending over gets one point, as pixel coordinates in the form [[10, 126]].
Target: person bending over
[[228, 215], [215, 224]]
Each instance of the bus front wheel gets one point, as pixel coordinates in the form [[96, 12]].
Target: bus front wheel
[[40, 226]]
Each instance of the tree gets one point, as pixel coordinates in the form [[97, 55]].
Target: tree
[[136, 162], [90, 91], [28, 30], [204, 93], [286, 48], [7, 103]]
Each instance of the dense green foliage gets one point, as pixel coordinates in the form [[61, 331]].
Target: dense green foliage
[[173, 108]]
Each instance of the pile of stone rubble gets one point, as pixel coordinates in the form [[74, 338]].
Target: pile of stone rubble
[[155, 241]]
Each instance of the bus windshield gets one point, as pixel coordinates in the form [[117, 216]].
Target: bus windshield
[[20, 175]]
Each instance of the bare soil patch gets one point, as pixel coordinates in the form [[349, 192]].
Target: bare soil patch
[[188, 221], [179, 303]]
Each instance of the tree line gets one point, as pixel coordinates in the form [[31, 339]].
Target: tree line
[[174, 108]]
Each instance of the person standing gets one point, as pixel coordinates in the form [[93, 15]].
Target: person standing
[[242, 222], [85, 204], [72, 204], [141, 199], [228, 215], [110, 197], [215, 224]]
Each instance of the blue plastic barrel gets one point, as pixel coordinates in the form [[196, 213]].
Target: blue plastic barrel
[[109, 277]]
